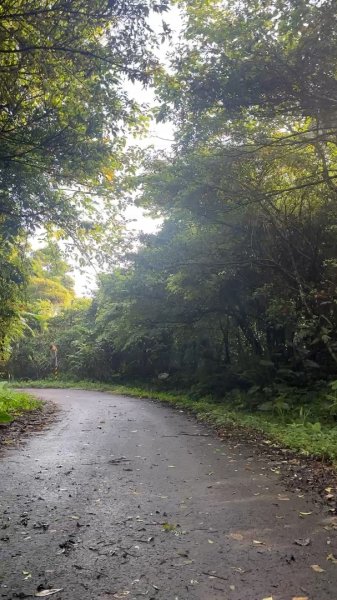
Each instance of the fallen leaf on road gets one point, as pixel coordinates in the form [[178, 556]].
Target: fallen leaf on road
[[317, 569], [210, 542], [27, 575], [304, 514], [332, 558], [45, 593], [258, 543], [269, 598], [300, 598]]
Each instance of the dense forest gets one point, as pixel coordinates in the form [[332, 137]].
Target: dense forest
[[237, 291]]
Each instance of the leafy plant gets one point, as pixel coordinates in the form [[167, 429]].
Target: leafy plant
[[14, 403], [332, 397]]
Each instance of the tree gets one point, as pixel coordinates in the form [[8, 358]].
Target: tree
[[64, 113], [12, 273], [49, 292], [258, 61], [252, 89], [50, 279], [63, 104]]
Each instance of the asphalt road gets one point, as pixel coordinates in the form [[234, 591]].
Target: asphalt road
[[124, 498]]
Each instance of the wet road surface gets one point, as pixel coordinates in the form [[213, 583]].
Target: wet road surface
[[124, 498]]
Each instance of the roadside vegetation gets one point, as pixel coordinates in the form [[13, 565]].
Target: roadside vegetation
[[14, 403]]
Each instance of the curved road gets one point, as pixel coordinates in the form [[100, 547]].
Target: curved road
[[123, 498]]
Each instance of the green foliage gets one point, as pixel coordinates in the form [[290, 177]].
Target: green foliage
[[246, 258], [12, 268], [13, 403], [256, 62], [63, 122], [64, 106], [332, 398], [49, 291]]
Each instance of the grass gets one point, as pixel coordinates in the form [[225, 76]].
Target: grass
[[13, 404], [291, 431]]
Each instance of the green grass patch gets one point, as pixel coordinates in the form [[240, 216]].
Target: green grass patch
[[14, 403], [293, 430]]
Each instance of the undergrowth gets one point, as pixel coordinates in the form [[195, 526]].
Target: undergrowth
[[303, 428], [13, 403]]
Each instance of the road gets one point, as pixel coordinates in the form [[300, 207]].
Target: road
[[124, 498]]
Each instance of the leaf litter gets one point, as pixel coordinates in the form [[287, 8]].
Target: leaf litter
[[317, 569], [332, 558]]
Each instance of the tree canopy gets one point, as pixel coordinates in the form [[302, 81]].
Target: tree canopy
[[63, 103], [64, 114]]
